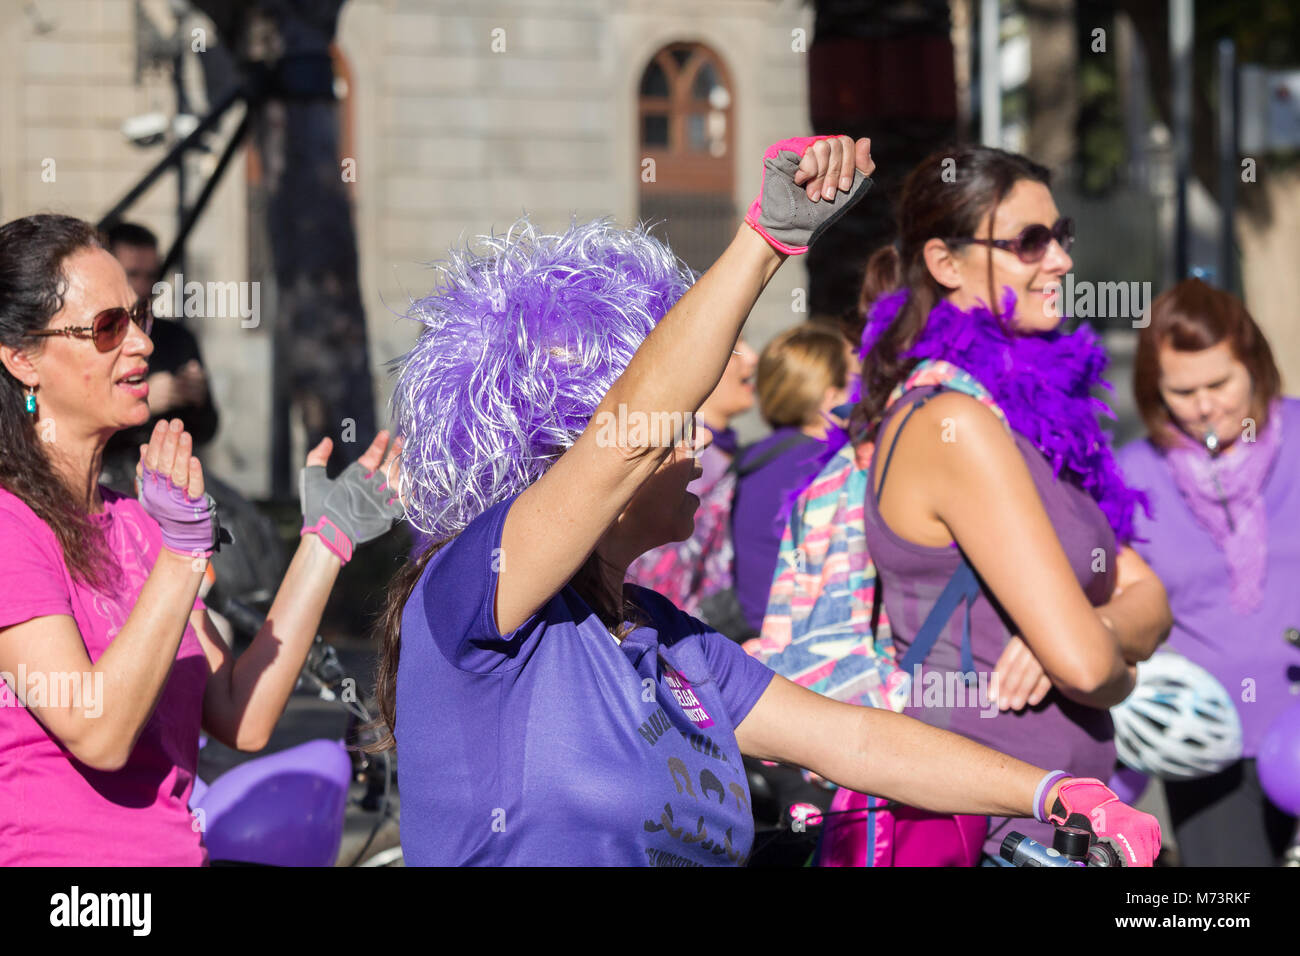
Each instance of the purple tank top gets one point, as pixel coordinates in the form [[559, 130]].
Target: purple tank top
[[1058, 733]]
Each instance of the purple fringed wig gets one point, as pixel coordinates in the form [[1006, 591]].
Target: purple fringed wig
[[524, 335]]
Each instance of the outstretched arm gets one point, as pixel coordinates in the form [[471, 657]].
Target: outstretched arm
[[889, 755]]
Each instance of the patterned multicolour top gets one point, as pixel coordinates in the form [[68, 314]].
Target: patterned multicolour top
[[817, 631]]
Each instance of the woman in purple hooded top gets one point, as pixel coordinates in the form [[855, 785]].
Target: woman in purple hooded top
[[1036, 506], [1221, 538], [551, 713], [803, 373]]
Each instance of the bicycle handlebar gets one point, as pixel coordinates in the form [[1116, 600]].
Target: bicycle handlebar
[[1072, 845]]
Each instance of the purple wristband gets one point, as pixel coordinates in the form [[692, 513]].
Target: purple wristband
[[187, 523], [1044, 788]]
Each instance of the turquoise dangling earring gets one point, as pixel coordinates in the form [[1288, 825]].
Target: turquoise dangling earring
[[31, 401]]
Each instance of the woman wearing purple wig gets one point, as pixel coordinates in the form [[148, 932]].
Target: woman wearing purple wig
[[551, 713]]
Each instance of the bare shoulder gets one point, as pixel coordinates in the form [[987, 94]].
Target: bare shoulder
[[952, 426]]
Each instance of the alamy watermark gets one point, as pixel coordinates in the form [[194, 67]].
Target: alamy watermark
[[209, 300], [955, 689], [65, 690], [1099, 300], [637, 429]]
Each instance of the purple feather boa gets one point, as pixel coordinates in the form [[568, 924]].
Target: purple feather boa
[[1043, 383]]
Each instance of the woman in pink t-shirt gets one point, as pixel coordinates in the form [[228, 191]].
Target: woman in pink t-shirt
[[109, 663]]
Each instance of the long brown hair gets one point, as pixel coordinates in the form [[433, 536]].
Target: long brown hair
[[33, 282], [619, 616], [944, 197], [1190, 317]]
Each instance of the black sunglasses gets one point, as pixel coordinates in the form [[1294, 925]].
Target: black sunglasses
[[1032, 243], [108, 328]]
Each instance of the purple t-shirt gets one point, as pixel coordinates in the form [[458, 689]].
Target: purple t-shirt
[[556, 745], [1249, 654], [760, 511]]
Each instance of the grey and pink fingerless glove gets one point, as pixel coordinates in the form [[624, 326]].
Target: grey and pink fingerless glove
[[783, 214], [189, 525], [355, 507], [1132, 834]]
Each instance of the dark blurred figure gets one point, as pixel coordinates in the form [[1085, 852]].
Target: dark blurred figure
[[178, 383], [251, 567]]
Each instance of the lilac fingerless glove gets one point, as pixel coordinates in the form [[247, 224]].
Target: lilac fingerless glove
[[189, 525]]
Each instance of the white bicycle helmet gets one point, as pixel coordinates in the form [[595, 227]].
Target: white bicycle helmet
[[1179, 723]]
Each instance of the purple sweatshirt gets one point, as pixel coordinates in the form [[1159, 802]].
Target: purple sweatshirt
[[1249, 655], [760, 511]]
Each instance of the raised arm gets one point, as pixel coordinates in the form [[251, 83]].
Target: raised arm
[[555, 524], [245, 697]]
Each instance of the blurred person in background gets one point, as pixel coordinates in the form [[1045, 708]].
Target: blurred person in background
[[178, 382], [696, 574], [803, 376], [1221, 466]]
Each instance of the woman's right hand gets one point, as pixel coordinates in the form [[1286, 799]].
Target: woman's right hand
[[170, 452], [799, 195], [169, 483], [1019, 679], [1133, 835]]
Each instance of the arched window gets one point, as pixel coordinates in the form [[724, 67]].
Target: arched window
[[685, 109]]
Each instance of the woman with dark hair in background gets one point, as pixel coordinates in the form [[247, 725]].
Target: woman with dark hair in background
[[110, 664], [991, 455], [1221, 467]]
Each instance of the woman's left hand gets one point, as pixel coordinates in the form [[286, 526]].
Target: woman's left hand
[[361, 504], [1018, 679]]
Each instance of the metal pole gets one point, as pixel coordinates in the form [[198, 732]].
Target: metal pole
[[182, 109], [176, 255], [990, 75], [1180, 57], [165, 163], [1227, 163]]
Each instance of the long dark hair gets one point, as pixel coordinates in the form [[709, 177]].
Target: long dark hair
[[619, 616], [944, 197], [33, 282]]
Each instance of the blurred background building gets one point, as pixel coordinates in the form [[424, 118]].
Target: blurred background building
[[431, 122]]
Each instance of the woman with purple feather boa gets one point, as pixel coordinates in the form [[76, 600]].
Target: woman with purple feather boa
[[550, 712], [1007, 470]]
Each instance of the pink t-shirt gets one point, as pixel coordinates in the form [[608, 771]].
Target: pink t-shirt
[[54, 810]]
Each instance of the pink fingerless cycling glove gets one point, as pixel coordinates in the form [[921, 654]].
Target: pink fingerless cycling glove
[[1132, 834], [783, 214], [189, 525]]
